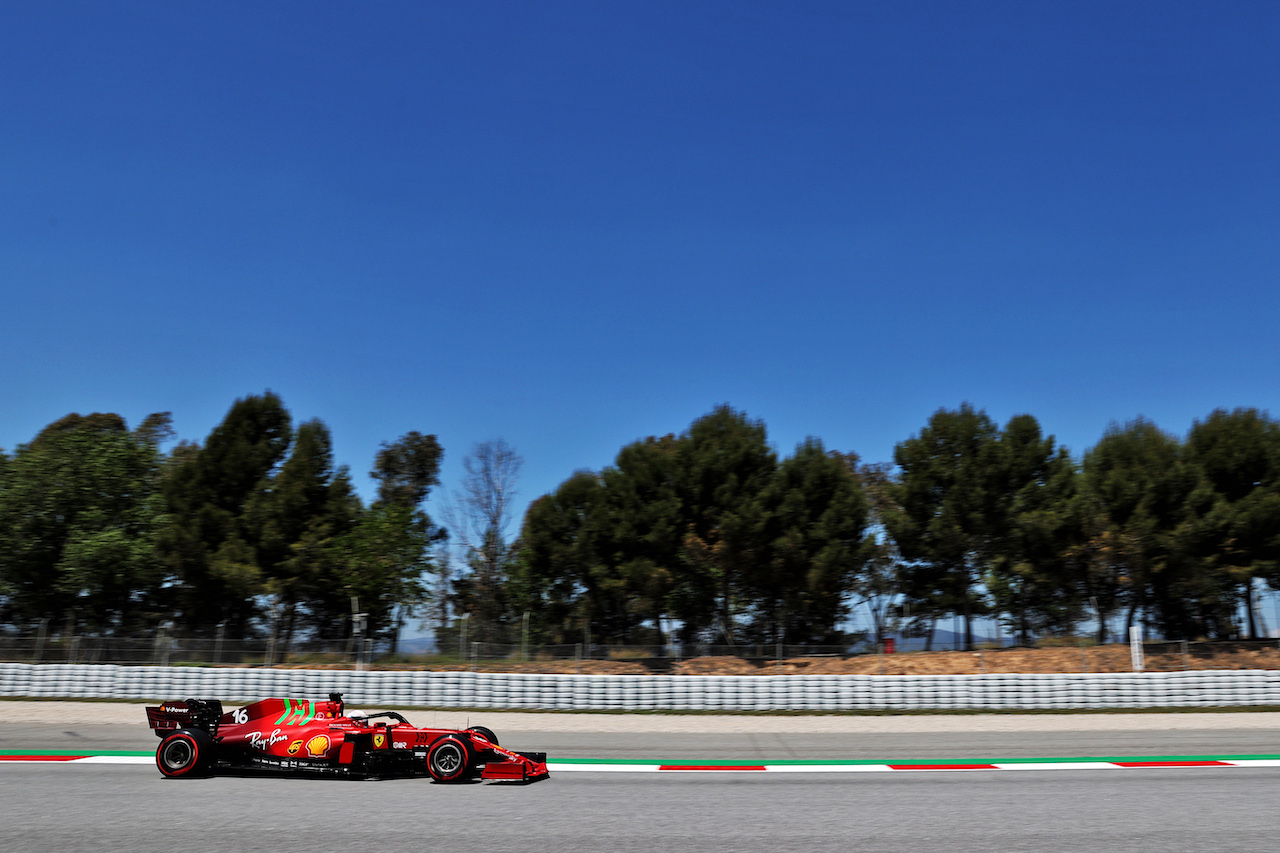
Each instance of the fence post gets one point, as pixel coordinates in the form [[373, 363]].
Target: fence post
[[524, 637], [1186, 656], [1135, 648], [269, 658], [40, 634], [217, 642]]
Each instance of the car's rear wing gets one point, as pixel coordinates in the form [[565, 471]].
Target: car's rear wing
[[187, 714]]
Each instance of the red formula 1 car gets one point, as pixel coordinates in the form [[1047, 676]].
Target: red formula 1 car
[[320, 738]]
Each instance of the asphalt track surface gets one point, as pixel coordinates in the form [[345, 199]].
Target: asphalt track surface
[[61, 807], [111, 808], [679, 747]]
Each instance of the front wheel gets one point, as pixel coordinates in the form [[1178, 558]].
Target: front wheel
[[449, 759], [485, 733], [184, 754]]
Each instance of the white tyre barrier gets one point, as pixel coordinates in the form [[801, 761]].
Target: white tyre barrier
[[1030, 691]]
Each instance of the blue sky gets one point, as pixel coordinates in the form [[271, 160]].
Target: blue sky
[[571, 225]]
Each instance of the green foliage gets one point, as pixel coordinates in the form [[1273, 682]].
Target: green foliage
[[706, 533], [723, 463], [812, 514], [217, 498], [558, 575], [705, 529], [79, 516], [381, 561], [407, 469], [1136, 484], [99, 528], [1231, 533], [1032, 528], [944, 509]]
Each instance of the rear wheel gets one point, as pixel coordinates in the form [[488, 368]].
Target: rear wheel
[[449, 759], [184, 754]]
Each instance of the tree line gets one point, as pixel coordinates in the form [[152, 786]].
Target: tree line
[[708, 535], [703, 536], [254, 529]]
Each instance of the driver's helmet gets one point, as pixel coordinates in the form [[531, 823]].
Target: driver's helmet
[[360, 718]]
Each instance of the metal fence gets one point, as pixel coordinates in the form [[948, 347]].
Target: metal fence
[[165, 649]]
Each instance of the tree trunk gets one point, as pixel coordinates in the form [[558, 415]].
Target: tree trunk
[[968, 623], [1248, 605]]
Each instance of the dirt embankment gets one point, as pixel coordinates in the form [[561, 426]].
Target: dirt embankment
[[1110, 658]]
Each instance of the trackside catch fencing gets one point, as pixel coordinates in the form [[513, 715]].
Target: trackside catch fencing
[[517, 691]]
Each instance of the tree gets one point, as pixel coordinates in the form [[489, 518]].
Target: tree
[[877, 585], [381, 562], [1231, 532], [812, 515], [488, 490], [723, 463], [940, 515], [557, 577], [407, 469], [388, 552], [79, 516], [293, 521], [602, 552], [209, 545], [1031, 529], [1135, 486]]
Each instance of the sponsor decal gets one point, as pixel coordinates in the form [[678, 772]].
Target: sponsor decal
[[260, 741], [318, 746], [379, 741], [173, 709], [399, 744], [294, 747], [297, 715]]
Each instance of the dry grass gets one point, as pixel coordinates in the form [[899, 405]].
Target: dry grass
[[1111, 658]]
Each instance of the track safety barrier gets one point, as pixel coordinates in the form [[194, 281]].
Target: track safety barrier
[[517, 691]]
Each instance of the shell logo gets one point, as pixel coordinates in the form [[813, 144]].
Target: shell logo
[[379, 741], [318, 746], [294, 747]]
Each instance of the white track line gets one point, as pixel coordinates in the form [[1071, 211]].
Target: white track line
[[693, 767]]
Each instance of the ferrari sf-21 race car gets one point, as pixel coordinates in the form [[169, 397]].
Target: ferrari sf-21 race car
[[321, 738]]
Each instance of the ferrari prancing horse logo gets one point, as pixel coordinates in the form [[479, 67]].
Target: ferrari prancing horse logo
[[379, 741], [318, 746]]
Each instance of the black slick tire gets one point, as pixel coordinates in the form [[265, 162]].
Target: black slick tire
[[184, 754], [450, 759], [485, 733]]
